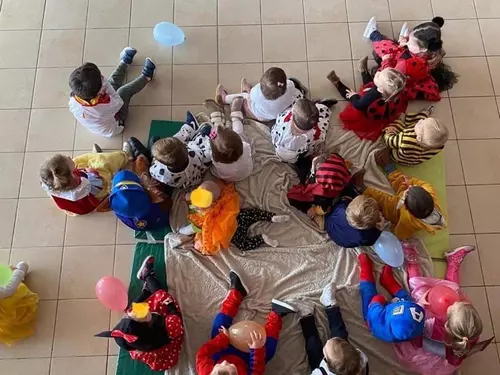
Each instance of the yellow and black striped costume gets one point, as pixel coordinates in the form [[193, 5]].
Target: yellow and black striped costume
[[403, 145]]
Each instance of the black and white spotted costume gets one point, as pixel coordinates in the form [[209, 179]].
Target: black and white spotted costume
[[289, 146], [198, 146], [246, 218]]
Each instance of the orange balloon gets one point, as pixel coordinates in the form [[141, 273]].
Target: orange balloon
[[239, 334]]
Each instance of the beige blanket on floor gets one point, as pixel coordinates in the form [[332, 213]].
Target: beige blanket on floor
[[296, 271]]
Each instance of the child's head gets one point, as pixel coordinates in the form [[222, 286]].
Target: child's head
[[86, 81], [426, 36], [463, 325], [341, 357], [431, 133], [205, 194], [390, 82], [57, 173], [227, 146], [273, 83], [363, 213], [171, 152], [305, 114], [224, 368], [419, 202]]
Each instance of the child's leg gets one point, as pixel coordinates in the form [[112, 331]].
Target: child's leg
[[254, 215], [245, 243], [335, 80], [237, 115], [336, 323], [367, 285], [228, 311], [377, 36], [117, 78], [228, 99], [314, 346], [273, 327], [366, 77], [388, 281], [411, 257], [127, 91]]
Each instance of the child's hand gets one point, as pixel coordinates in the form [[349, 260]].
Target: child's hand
[[257, 340], [224, 330], [350, 93], [391, 130], [311, 213], [386, 57]]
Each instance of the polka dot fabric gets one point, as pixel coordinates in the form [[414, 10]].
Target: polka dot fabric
[[166, 357]]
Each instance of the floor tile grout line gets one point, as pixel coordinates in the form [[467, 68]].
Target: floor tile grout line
[[306, 46], [172, 66]]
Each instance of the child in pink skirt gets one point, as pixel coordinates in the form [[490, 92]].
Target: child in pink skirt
[[447, 341]]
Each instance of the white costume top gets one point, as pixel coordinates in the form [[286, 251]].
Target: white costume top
[[267, 110], [237, 171]]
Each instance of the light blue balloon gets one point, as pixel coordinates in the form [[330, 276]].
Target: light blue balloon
[[389, 249], [168, 34]]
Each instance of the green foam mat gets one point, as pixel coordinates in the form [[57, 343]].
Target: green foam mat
[[125, 364], [162, 129], [433, 172]]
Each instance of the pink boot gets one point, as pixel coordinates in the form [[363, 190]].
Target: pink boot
[[454, 258]]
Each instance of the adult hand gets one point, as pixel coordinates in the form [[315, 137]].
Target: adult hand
[[257, 341]]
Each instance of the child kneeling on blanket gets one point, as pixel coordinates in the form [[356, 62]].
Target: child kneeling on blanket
[[338, 356], [151, 330], [219, 357]]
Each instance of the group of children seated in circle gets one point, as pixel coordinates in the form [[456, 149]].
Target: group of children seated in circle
[[336, 199]]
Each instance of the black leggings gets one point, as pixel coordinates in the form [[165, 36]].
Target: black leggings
[[152, 285], [246, 218]]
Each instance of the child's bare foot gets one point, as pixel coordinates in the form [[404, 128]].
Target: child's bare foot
[[237, 104], [333, 78], [245, 85], [220, 94], [363, 64]]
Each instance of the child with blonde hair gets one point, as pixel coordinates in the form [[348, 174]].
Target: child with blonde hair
[[449, 339], [416, 138], [267, 99], [380, 101], [232, 155], [338, 356], [301, 130], [81, 185], [182, 160]]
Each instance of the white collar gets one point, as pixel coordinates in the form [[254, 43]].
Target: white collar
[[75, 194]]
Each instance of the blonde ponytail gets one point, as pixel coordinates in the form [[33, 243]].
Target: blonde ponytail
[[463, 324]]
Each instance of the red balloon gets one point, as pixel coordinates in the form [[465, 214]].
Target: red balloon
[[112, 293], [440, 298]]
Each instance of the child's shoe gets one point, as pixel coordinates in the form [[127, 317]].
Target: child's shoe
[[23, 266], [148, 70], [371, 26], [147, 268], [299, 86], [457, 255], [127, 55], [270, 241], [328, 296], [405, 31], [330, 102], [282, 308], [128, 150], [138, 148], [237, 284], [96, 149], [363, 64], [333, 78], [205, 129], [220, 94], [192, 121]]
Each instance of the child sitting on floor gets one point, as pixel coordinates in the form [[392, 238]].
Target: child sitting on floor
[[301, 130], [449, 339], [101, 105], [414, 206], [267, 99], [81, 185], [219, 357], [355, 220], [415, 139], [232, 155], [338, 356], [151, 330], [400, 320], [182, 160], [379, 102]]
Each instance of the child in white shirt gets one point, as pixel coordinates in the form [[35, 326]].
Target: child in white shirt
[[101, 105], [267, 99], [300, 130], [232, 155], [182, 160]]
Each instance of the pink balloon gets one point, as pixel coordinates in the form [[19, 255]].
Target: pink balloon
[[112, 293], [239, 334], [440, 298]]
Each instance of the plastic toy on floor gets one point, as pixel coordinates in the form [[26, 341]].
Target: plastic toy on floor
[[18, 306], [399, 320], [218, 356], [451, 337], [151, 330]]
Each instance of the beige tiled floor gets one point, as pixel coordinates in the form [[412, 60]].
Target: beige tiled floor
[[42, 40]]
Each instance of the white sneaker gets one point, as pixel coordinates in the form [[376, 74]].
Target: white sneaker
[[371, 26], [23, 266], [328, 296], [405, 31]]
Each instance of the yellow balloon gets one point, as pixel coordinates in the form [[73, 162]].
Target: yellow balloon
[[239, 334]]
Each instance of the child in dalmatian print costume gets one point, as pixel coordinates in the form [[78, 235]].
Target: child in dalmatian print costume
[[182, 160], [301, 130]]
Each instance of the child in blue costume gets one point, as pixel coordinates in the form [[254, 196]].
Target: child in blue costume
[[400, 320]]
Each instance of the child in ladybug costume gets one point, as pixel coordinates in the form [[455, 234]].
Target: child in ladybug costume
[[380, 101], [151, 330], [417, 54], [400, 320]]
